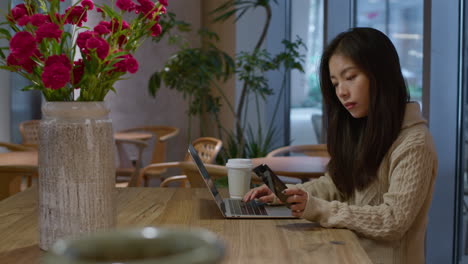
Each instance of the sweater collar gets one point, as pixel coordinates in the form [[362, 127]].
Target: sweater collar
[[413, 115]]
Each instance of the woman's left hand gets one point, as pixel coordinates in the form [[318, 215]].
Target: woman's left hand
[[297, 200]]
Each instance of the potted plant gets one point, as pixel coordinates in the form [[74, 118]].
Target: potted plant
[[212, 70]]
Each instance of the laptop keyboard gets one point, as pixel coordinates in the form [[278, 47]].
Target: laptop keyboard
[[249, 208]]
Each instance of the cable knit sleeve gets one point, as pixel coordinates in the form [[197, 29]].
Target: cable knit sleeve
[[411, 173], [323, 188]]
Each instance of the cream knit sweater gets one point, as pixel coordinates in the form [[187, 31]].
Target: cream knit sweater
[[390, 216]]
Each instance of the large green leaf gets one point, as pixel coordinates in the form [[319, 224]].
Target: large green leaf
[[154, 83], [5, 33]]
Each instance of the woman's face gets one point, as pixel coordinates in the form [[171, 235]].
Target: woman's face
[[351, 85]]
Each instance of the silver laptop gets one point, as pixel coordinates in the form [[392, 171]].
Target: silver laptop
[[233, 208]]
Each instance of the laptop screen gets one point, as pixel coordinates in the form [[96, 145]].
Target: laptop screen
[[206, 177]]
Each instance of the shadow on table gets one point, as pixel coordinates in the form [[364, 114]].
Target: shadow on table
[[30, 254], [300, 226], [209, 210]]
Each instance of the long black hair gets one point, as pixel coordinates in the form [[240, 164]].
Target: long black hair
[[358, 145]]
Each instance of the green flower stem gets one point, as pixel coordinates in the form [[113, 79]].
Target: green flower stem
[[283, 85]]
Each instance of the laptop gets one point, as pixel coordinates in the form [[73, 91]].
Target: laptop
[[234, 208]]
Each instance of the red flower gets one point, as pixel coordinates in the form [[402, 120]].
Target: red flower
[[78, 71], [19, 14], [83, 37], [48, 30], [163, 2], [88, 4], [76, 15], [156, 30], [55, 76], [116, 26], [126, 63], [146, 6], [103, 28], [121, 66], [126, 5], [60, 59], [122, 40], [100, 45], [26, 64], [39, 19], [23, 45], [132, 64]]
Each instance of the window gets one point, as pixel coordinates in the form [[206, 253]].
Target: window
[[306, 99], [402, 21]]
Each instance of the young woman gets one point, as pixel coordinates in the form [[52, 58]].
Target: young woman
[[383, 163]]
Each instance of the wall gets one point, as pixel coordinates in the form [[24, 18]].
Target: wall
[[132, 105], [227, 33], [4, 92]]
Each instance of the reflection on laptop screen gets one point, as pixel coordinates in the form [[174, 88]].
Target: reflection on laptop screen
[[206, 177]]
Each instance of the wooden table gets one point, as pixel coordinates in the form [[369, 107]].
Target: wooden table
[[295, 166], [14, 165], [247, 241], [133, 136]]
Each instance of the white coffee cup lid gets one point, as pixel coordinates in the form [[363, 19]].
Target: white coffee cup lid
[[239, 163]]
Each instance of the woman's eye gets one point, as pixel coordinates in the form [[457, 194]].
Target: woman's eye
[[350, 78], [334, 85]]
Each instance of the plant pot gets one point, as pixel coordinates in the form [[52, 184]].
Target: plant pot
[[76, 171]]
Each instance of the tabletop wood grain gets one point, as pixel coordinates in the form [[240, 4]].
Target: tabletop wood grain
[[247, 241]]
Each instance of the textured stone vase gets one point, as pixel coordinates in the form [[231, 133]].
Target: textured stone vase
[[76, 171]]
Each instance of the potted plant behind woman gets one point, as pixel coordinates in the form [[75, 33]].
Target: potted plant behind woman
[[74, 67]]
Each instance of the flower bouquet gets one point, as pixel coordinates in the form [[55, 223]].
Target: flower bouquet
[[58, 54]]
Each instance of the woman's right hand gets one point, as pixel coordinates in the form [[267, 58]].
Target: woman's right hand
[[263, 193]]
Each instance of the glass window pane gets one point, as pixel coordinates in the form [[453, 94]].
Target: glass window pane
[[306, 99], [402, 21]]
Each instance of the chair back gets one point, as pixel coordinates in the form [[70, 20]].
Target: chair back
[[29, 131], [207, 148], [125, 168], [162, 134], [16, 147], [318, 150], [192, 175]]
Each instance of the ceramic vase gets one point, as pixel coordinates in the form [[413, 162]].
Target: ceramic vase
[[76, 171]]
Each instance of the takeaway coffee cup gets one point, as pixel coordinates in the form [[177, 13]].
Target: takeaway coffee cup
[[239, 175], [145, 245]]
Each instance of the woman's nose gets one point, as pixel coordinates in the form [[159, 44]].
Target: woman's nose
[[342, 91]]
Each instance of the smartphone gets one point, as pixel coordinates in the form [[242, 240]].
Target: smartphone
[[272, 181]]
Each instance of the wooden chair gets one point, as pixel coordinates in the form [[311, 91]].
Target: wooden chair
[[161, 135], [16, 147], [191, 174], [207, 148], [126, 170], [319, 150], [29, 131]]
